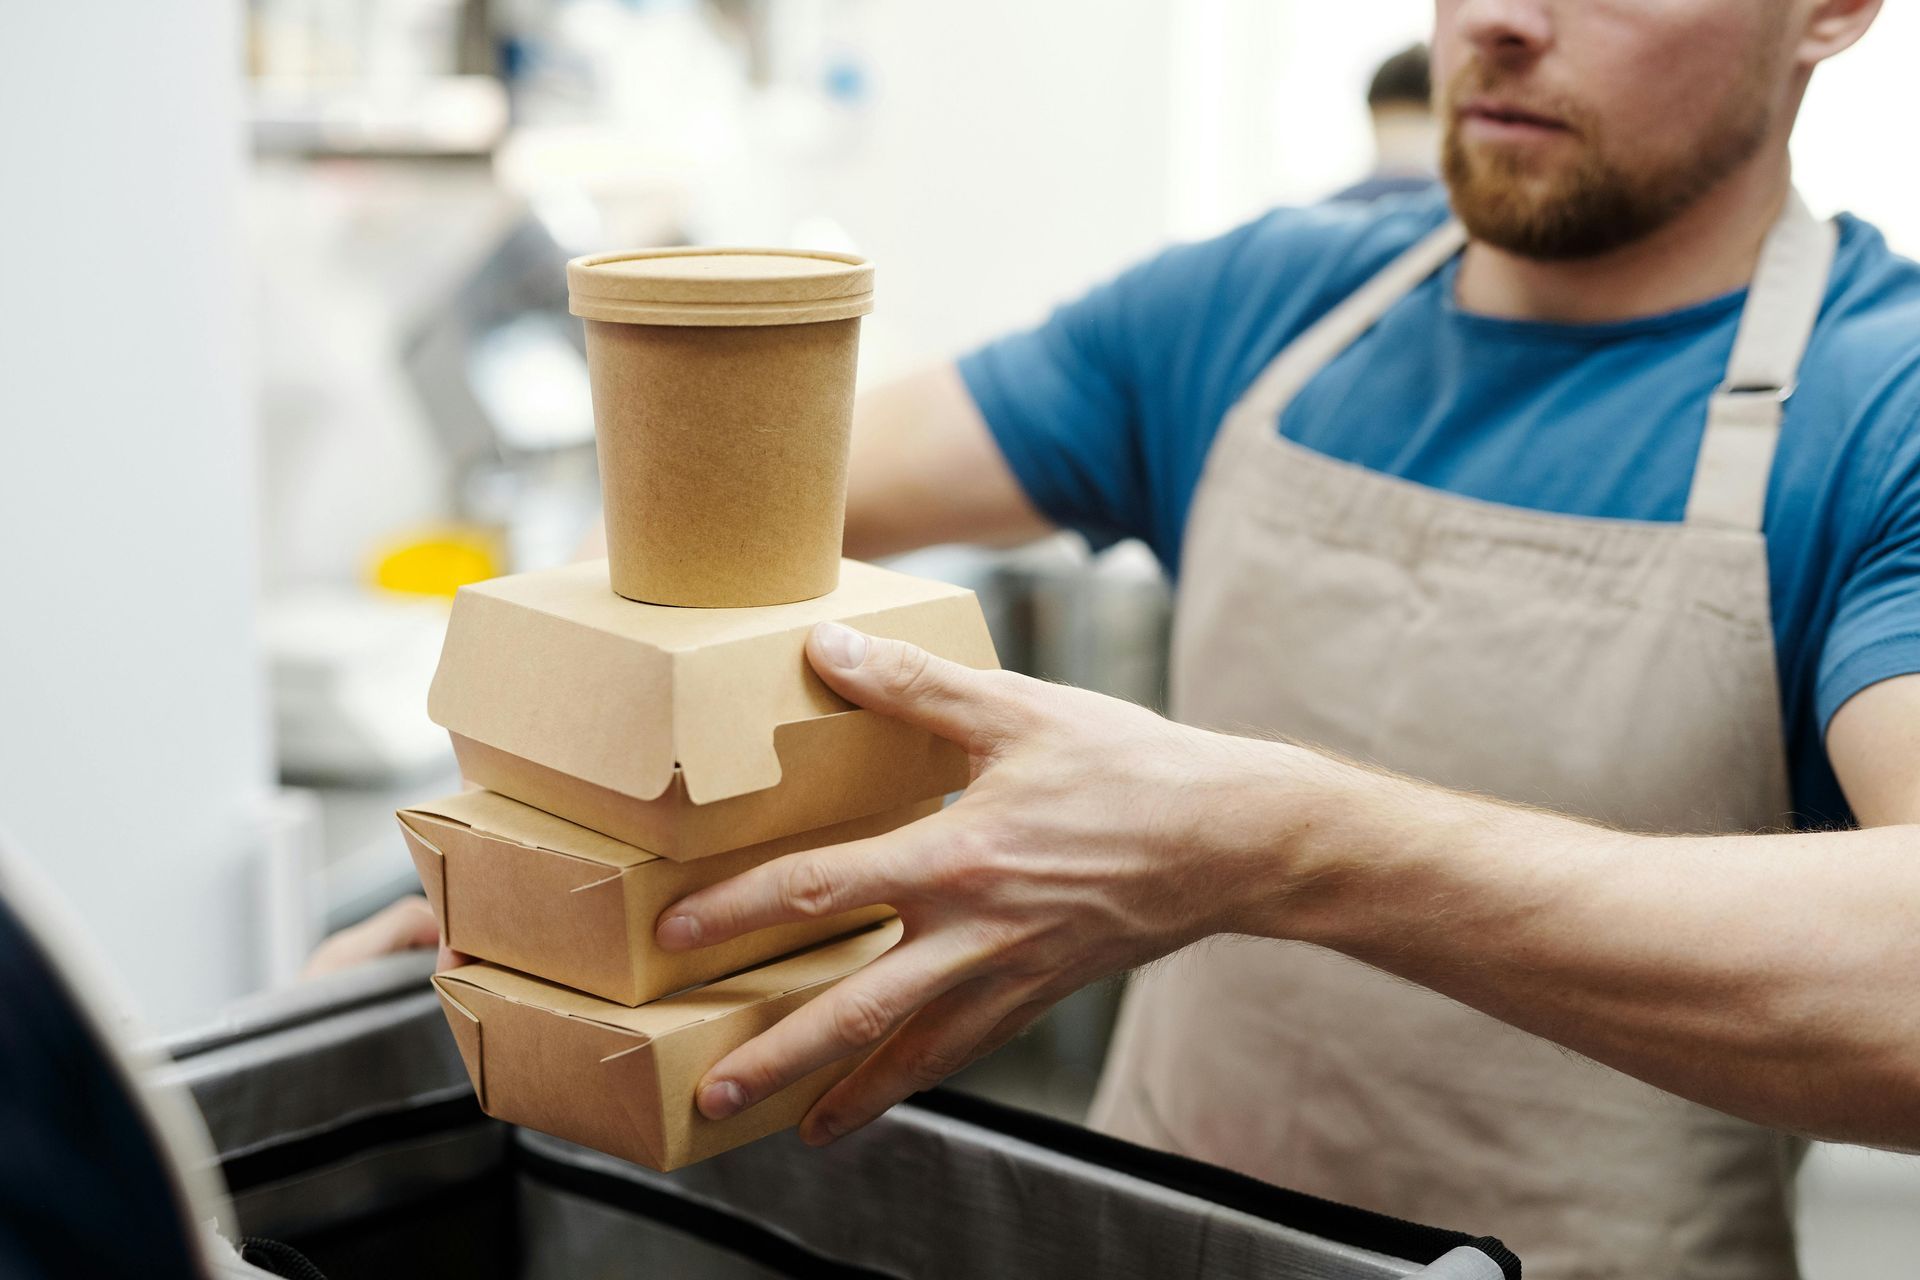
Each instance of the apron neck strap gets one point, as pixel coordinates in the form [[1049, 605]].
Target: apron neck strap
[[1731, 475], [1253, 417]]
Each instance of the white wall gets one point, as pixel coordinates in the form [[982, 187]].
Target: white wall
[[132, 749], [1008, 156], [1270, 102], [1853, 148], [1020, 153]]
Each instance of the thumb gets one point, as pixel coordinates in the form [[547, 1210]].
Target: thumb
[[906, 682]]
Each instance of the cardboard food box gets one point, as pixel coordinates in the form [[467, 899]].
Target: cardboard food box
[[622, 1080], [689, 732], [722, 404], [533, 892]]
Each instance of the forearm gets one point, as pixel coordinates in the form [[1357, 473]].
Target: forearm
[[925, 470], [1776, 977]]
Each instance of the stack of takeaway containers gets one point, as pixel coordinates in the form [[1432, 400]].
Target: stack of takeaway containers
[[642, 726]]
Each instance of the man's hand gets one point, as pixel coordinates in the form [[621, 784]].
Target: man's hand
[[1077, 852], [1768, 976], [401, 926]]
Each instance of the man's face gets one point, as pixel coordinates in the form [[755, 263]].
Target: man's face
[[1577, 126]]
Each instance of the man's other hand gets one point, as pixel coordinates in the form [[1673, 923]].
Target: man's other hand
[[400, 926]]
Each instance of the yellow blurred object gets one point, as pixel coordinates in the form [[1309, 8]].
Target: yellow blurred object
[[439, 563]]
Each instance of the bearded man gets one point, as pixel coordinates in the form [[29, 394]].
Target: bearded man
[[1583, 496]]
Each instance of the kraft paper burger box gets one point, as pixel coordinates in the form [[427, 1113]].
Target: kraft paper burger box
[[622, 1080], [533, 892], [686, 731]]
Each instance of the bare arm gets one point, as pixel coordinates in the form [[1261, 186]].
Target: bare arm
[[1776, 977], [926, 470], [923, 470]]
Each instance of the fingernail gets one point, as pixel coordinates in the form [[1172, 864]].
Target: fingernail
[[842, 646], [721, 1099], [678, 932]]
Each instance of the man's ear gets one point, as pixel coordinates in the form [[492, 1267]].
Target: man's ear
[[1831, 26]]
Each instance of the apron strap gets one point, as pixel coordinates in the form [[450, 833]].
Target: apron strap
[[1334, 332], [1731, 475]]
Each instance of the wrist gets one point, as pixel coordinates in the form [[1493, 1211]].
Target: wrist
[[1271, 824], [1372, 864]]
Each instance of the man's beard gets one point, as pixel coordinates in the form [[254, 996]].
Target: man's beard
[[1598, 202]]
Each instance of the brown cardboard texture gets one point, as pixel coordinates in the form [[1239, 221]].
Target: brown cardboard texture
[[524, 889], [718, 287], [723, 401], [622, 1080], [689, 732]]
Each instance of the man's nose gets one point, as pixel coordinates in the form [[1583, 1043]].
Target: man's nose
[[1502, 31]]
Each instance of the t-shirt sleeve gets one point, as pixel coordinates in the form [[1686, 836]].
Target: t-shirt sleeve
[[1875, 633], [1106, 411], [1067, 401]]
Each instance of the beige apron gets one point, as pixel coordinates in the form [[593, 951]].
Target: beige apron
[[1620, 670]]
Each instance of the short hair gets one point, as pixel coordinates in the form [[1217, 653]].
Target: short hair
[[1403, 79]]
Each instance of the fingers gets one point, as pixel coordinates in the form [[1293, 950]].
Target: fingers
[[965, 1024], [858, 1013], [801, 886], [400, 926], [408, 925], [1012, 1025], [905, 681]]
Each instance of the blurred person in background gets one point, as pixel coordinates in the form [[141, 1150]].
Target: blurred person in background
[[1406, 136], [1584, 497]]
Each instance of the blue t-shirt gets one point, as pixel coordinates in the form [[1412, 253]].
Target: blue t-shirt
[[1106, 411]]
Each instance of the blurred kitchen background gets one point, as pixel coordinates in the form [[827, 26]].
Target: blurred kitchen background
[[284, 357]]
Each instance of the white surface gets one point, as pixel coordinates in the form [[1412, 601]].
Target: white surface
[[292, 885], [343, 259], [1859, 1214], [349, 673], [1007, 156], [1019, 153], [132, 740], [1851, 149]]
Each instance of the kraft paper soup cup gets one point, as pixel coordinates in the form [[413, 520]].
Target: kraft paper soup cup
[[723, 401]]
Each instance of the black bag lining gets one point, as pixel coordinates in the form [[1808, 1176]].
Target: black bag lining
[[279, 1161], [720, 1228], [1327, 1219]]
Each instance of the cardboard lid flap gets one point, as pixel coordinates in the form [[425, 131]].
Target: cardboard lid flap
[[635, 1076], [578, 699], [728, 753], [737, 1009], [730, 700], [827, 961], [465, 1026], [822, 963], [495, 817], [430, 864], [498, 983], [554, 668]]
